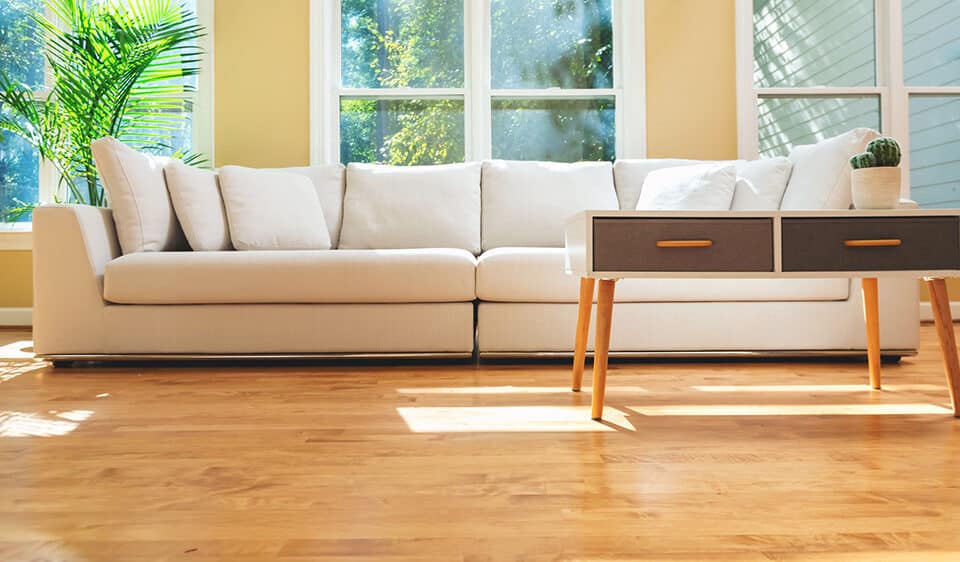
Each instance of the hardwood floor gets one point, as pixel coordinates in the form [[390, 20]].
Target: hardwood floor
[[695, 461]]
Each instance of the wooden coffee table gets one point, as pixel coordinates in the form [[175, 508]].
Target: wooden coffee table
[[607, 246]]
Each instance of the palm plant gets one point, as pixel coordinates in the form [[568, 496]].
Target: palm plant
[[118, 69]]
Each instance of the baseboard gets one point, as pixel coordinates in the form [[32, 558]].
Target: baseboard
[[16, 317], [926, 313]]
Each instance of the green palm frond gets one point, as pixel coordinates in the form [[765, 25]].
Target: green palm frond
[[118, 69]]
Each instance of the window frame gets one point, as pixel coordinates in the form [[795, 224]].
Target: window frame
[[628, 91], [893, 94], [17, 236]]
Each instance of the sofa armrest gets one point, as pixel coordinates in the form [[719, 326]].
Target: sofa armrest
[[71, 247]]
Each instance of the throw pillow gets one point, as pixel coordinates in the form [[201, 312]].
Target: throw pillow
[[701, 187], [272, 210], [137, 193], [196, 199], [328, 179], [760, 184], [821, 172]]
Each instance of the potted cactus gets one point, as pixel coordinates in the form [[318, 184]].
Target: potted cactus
[[876, 175]]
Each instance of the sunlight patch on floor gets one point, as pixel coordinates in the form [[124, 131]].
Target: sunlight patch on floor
[[813, 387], [480, 419], [54, 423], [22, 349], [791, 410], [509, 389], [10, 370]]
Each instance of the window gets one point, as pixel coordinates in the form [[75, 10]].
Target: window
[[22, 178], [812, 69], [435, 81], [21, 59]]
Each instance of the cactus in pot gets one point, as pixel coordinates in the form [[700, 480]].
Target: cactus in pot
[[876, 176]]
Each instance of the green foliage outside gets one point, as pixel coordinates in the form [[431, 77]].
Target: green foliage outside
[[21, 57], [419, 44], [117, 68]]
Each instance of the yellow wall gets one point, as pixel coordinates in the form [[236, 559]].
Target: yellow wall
[[16, 278], [691, 79], [262, 92]]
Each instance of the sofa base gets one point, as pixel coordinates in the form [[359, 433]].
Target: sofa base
[[67, 360], [887, 354]]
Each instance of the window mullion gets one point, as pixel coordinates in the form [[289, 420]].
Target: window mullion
[[324, 82], [477, 93], [748, 136], [897, 101]]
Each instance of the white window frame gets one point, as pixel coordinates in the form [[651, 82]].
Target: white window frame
[[893, 93], [17, 236], [629, 91]]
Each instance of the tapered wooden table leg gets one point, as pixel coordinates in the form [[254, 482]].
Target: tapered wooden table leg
[[583, 330], [601, 345], [871, 317], [940, 305]]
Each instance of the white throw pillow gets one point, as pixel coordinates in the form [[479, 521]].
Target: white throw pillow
[[393, 207], [760, 184], [328, 180], [629, 175], [821, 172], [701, 187], [196, 198], [137, 192], [272, 210], [528, 203]]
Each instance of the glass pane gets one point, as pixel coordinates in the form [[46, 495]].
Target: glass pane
[[19, 169], [813, 43], [786, 122], [401, 132], [401, 43], [21, 59], [935, 151], [21, 56], [931, 45], [552, 43], [550, 129]]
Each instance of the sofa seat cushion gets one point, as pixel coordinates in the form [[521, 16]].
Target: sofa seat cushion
[[296, 276], [537, 275]]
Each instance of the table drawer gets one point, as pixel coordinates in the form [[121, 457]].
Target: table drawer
[[653, 244], [870, 243]]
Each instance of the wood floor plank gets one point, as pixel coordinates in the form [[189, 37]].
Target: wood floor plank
[[695, 461]]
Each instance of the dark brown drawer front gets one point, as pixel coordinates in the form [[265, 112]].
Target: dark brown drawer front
[[631, 244], [843, 244]]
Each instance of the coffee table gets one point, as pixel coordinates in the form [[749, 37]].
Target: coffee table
[[603, 247]]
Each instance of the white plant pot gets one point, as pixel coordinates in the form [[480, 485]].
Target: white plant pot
[[876, 188]]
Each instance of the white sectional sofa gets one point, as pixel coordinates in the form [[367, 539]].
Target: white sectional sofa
[[498, 289]]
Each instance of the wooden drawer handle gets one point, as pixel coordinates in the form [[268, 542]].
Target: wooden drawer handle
[[878, 243], [684, 243]]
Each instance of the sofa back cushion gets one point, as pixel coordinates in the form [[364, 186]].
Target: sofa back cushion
[[527, 203], [821, 172], [394, 207], [272, 210], [137, 192], [195, 194], [328, 180]]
